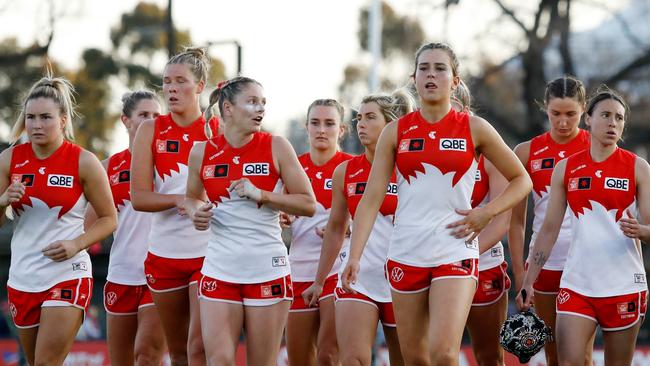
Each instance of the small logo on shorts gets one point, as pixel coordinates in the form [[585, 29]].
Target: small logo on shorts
[[279, 261], [111, 298], [79, 266], [209, 286], [626, 307], [563, 297], [397, 274], [492, 285], [66, 294], [639, 278], [472, 244], [150, 278], [13, 310], [271, 290]]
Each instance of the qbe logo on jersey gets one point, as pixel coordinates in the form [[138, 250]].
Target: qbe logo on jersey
[[619, 184], [328, 185], [59, 180], [453, 144], [252, 169]]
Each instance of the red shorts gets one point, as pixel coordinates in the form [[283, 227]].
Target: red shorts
[[249, 294], [548, 282], [492, 284], [26, 307], [410, 279], [386, 314], [611, 313], [125, 299], [298, 303], [169, 274]]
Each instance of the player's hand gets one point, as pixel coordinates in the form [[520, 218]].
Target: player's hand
[[471, 225], [201, 216], [525, 298], [311, 294], [61, 250], [245, 189], [349, 276], [320, 231], [286, 220], [631, 226], [12, 194]]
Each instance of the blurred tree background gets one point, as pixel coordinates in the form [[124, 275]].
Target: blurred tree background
[[137, 41]]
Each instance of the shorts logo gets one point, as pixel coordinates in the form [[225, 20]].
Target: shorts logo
[[111, 298], [79, 266], [252, 169], [396, 274], [328, 185], [492, 285], [619, 184], [215, 171], [411, 145], [25, 179], [279, 261], [563, 297], [13, 310], [209, 286], [66, 294], [626, 307], [639, 278], [463, 266], [59, 180], [579, 184], [150, 278], [453, 145], [542, 164], [271, 290]]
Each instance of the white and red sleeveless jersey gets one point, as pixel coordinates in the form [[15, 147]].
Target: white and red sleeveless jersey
[[131, 239], [544, 154], [305, 243], [436, 170], [493, 257], [245, 238], [173, 235], [51, 209], [371, 280], [602, 261]]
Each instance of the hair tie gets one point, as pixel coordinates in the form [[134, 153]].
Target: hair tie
[[222, 84]]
